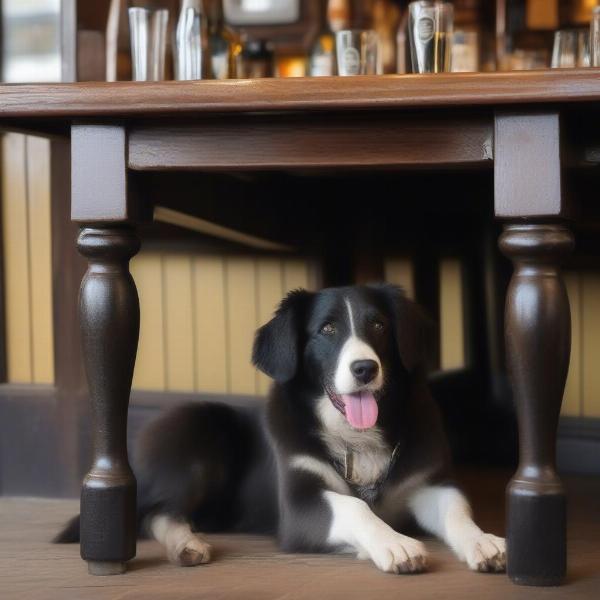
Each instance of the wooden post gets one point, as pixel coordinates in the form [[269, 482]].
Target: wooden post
[[538, 343], [109, 318], [528, 186]]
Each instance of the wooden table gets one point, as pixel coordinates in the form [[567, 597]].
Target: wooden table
[[519, 124]]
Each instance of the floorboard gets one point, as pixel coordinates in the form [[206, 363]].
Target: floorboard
[[250, 568]]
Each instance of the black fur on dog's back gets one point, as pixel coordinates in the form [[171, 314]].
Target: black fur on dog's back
[[69, 534], [201, 460], [229, 468]]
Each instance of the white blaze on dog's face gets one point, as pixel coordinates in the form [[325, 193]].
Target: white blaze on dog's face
[[357, 377], [345, 345], [349, 343]]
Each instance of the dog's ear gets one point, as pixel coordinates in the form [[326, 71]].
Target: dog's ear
[[277, 344], [413, 330]]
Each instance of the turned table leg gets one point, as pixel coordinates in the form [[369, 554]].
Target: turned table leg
[[538, 341], [109, 315]]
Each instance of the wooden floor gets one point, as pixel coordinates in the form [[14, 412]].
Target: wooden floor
[[250, 568]]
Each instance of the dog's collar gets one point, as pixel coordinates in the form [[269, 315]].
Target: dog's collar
[[369, 493]]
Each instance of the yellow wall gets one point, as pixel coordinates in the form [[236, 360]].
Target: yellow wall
[[582, 394], [400, 271], [199, 314], [27, 258], [452, 334]]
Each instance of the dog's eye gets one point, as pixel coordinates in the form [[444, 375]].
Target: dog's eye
[[377, 325], [327, 329]]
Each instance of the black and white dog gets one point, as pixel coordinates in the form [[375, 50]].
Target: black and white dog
[[349, 447]]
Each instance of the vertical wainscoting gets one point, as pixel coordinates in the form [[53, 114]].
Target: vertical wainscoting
[[199, 314], [27, 259], [452, 323], [573, 398], [400, 271], [582, 391], [590, 344]]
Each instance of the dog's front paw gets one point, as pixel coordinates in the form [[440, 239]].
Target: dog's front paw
[[190, 553], [393, 552], [486, 553]]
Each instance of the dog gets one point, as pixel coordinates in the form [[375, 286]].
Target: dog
[[347, 451]]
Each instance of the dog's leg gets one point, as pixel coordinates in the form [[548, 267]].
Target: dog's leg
[[355, 525], [183, 547], [445, 512]]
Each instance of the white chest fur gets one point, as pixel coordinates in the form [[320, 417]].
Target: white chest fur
[[370, 453]]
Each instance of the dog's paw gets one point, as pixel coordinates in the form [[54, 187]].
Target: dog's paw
[[190, 553], [486, 553], [393, 552]]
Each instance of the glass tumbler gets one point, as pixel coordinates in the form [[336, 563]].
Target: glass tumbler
[[148, 31], [430, 30], [564, 51], [357, 52], [595, 38]]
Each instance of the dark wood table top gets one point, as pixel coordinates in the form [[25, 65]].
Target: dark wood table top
[[35, 102]]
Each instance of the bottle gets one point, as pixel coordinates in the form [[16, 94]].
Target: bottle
[[224, 44], [191, 47], [257, 59], [467, 37], [339, 15], [402, 51], [385, 18], [336, 16]]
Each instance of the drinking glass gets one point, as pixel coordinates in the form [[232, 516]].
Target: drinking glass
[[465, 52], [356, 52], [148, 30], [430, 28], [158, 41], [564, 51], [595, 37]]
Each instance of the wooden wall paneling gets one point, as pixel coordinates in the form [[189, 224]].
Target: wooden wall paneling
[[572, 405], [241, 324], [15, 220], [295, 275], [179, 314], [210, 324], [269, 280], [68, 267], [38, 188], [400, 271], [31, 444], [452, 326], [3, 315], [150, 368], [591, 344], [315, 275]]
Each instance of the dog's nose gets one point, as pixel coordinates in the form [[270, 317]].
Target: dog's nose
[[364, 371]]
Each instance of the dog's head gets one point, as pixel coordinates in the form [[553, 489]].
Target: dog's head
[[346, 343]]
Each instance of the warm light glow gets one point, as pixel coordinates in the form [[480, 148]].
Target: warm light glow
[[291, 66]]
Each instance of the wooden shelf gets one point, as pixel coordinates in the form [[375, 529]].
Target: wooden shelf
[[128, 99]]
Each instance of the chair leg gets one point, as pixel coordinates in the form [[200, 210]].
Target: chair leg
[[109, 316], [538, 340]]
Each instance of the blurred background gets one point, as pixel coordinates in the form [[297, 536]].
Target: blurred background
[[204, 291]]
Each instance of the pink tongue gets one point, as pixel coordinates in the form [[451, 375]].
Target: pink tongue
[[361, 409]]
